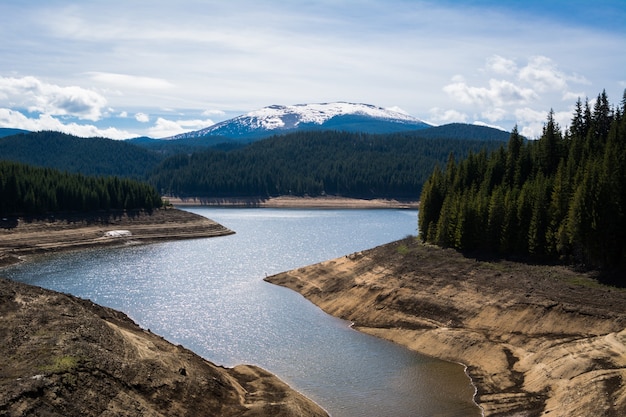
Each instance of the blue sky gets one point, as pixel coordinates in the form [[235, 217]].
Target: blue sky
[[158, 68]]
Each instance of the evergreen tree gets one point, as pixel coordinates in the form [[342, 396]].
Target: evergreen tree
[[562, 196]]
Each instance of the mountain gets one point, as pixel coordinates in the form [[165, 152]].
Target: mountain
[[4, 131], [277, 119]]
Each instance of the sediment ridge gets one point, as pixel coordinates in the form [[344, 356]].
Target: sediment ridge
[[536, 340]]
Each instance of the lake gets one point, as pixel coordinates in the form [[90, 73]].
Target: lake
[[209, 295]]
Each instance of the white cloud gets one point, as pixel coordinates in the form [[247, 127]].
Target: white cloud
[[515, 97], [440, 116], [494, 114], [17, 120], [499, 93], [165, 128], [37, 96], [541, 72], [213, 113], [123, 114], [142, 117], [130, 81], [501, 65]]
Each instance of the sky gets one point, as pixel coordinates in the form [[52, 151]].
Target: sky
[[121, 69]]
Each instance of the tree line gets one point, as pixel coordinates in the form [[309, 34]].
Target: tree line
[[313, 163], [88, 156], [28, 190], [561, 197]]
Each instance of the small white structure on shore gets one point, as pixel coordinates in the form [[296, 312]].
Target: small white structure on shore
[[118, 233]]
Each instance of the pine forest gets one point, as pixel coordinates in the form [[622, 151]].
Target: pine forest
[[559, 198]]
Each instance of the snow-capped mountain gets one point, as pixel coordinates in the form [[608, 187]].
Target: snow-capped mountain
[[278, 119]]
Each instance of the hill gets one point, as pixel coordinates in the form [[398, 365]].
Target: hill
[[463, 131], [88, 156], [314, 163], [10, 132]]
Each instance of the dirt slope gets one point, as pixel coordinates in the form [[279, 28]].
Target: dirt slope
[[536, 339], [65, 356]]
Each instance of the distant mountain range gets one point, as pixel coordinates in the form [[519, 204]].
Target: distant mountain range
[[276, 119], [4, 131]]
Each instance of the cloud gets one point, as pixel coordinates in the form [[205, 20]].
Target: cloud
[[213, 113], [439, 116], [130, 81], [17, 120], [518, 92], [50, 99], [165, 128], [501, 65], [541, 72], [499, 93], [142, 117]]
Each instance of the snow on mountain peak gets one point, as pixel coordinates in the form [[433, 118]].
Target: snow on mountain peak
[[274, 116], [284, 118]]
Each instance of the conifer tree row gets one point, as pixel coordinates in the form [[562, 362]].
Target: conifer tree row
[[313, 163], [27, 190], [561, 197]]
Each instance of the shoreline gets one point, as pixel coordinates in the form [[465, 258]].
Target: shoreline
[[534, 339], [327, 202], [86, 348], [22, 237]]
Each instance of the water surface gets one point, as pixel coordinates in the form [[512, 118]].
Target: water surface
[[209, 295]]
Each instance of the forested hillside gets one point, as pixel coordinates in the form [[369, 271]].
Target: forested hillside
[[88, 156], [313, 163], [562, 197], [27, 190]]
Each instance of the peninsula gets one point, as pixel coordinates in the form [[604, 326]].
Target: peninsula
[[535, 339]]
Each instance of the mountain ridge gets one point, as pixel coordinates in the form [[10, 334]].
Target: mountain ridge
[[277, 119]]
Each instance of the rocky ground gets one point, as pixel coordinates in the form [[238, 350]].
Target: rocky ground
[[65, 356], [537, 340]]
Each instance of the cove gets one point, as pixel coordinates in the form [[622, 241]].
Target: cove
[[209, 295]]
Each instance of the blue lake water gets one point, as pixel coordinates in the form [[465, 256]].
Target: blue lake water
[[209, 295]]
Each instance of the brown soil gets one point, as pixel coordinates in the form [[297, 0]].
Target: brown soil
[[536, 339], [65, 356], [26, 236]]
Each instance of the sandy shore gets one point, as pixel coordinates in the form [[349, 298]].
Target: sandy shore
[[537, 340], [20, 237], [296, 202]]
